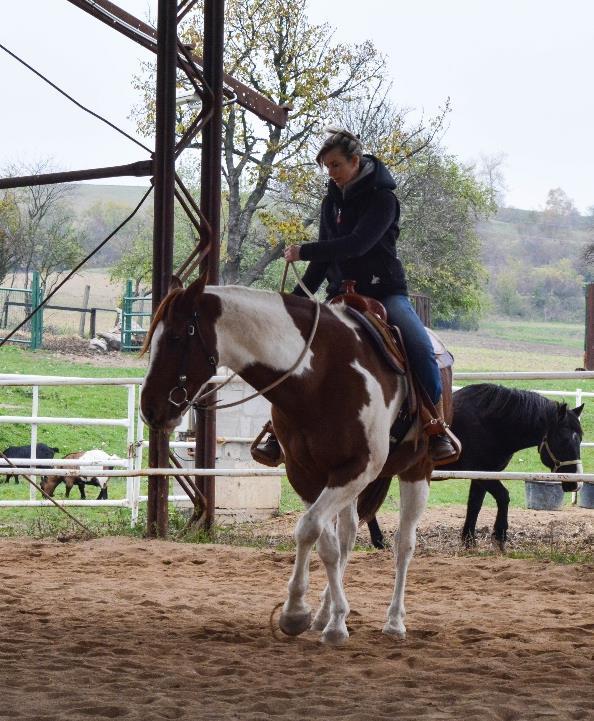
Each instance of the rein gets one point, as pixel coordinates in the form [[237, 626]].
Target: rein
[[193, 328], [557, 464]]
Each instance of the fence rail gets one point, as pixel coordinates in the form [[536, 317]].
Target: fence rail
[[135, 440]]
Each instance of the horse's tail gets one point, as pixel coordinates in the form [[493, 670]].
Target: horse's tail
[[372, 497]]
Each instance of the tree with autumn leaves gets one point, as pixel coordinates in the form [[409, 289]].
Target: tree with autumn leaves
[[272, 189]]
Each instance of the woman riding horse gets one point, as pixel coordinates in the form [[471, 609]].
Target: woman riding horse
[[357, 241]]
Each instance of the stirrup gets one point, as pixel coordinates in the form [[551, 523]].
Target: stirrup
[[454, 442], [272, 455]]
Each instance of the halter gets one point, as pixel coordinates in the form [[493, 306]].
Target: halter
[[193, 329], [557, 464]]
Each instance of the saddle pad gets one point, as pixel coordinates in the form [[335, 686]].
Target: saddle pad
[[442, 355], [378, 340]]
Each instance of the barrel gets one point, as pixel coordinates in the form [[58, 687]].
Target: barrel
[[544, 496]]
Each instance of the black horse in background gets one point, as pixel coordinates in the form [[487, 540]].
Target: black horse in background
[[493, 423]]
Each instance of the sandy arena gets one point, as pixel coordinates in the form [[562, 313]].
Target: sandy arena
[[116, 628]]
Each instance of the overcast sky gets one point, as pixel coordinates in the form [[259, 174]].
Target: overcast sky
[[518, 72]]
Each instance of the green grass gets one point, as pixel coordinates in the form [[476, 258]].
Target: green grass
[[569, 335]]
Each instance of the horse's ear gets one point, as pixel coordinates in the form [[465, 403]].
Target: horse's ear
[[561, 410], [197, 287], [578, 410], [174, 283]]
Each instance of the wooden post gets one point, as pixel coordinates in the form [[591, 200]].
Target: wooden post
[[589, 332], [93, 323], [83, 316]]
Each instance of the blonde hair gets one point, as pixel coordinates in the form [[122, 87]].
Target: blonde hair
[[348, 143]]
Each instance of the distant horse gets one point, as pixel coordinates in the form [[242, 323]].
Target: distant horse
[[332, 416], [493, 423]]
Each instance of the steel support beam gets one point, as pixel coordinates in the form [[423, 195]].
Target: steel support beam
[[210, 207], [164, 180], [140, 169], [145, 35]]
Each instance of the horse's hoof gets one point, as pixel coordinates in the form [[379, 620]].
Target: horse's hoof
[[294, 624], [394, 631], [335, 636], [320, 622]]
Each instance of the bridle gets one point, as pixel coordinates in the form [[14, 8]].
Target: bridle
[[192, 330], [557, 464]]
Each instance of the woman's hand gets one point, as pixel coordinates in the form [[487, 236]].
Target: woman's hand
[[292, 253]]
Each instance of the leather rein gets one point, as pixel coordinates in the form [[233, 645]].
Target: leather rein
[[178, 395]]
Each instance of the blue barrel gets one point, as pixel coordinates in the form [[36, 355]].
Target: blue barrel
[[544, 496], [586, 496]]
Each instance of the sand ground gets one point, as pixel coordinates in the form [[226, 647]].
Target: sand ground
[[143, 630]]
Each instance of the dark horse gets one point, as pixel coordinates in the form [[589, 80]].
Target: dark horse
[[493, 423], [332, 414]]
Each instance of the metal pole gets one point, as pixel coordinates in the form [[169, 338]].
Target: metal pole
[[164, 180], [210, 205]]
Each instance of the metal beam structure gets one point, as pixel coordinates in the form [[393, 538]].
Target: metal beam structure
[[210, 206], [209, 83], [142, 33], [164, 183]]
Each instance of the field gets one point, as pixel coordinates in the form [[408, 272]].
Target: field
[[103, 294]]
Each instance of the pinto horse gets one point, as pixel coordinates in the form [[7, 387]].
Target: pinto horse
[[332, 416]]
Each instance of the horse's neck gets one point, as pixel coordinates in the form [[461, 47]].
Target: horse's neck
[[257, 337], [523, 431]]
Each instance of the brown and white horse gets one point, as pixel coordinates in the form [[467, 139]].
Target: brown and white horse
[[332, 416]]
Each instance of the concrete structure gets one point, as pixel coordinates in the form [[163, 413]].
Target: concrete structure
[[242, 498]]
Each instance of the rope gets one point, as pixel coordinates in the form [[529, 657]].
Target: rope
[[285, 375], [47, 496], [72, 272], [72, 100]]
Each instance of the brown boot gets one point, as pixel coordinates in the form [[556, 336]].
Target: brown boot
[[268, 453], [443, 447]]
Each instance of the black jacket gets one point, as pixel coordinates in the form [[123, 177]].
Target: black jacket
[[357, 238]]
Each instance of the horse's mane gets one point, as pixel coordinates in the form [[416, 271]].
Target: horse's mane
[[163, 308], [501, 401]]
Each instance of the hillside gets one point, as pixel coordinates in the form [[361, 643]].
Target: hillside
[[534, 259], [85, 195]]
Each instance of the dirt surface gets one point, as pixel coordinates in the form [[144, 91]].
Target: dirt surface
[[568, 530], [146, 630], [77, 350]]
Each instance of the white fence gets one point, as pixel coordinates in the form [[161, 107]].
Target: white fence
[[133, 427]]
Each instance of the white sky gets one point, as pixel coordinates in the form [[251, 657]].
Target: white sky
[[518, 72]]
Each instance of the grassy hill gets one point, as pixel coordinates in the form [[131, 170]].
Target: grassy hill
[[86, 195]]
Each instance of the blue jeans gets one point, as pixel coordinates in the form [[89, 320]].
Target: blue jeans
[[419, 348]]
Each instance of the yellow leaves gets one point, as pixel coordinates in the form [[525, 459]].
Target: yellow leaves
[[286, 228]]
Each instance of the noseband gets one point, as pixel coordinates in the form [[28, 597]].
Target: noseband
[[557, 464], [178, 395]]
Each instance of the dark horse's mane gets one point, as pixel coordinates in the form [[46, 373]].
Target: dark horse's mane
[[510, 402]]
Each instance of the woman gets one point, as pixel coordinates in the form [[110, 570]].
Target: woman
[[357, 241]]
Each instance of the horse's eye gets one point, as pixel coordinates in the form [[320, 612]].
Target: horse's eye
[[175, 338]]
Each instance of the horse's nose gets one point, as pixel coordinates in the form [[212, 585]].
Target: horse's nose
[[147, 415]]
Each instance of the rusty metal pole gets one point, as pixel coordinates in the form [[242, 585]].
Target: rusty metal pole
[[210, 205], [164, 180]]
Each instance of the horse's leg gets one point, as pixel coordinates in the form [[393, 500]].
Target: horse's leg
[[413, 499], [375, 532], [296, 614], [346, 531], [501, 496], [476, 496]]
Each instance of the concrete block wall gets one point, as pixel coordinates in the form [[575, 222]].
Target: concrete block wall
[[240, 498]]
